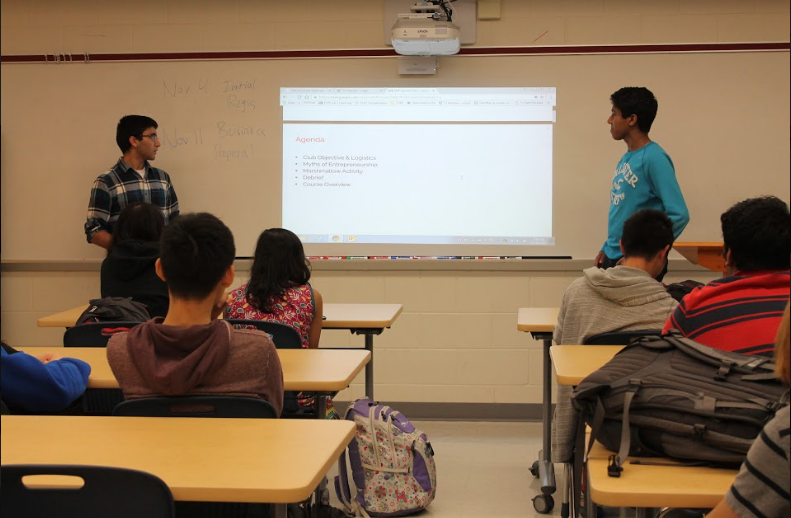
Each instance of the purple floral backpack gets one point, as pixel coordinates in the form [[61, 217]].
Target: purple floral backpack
[[392, 464]]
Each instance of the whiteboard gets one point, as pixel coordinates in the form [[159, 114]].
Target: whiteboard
[[723, 118]]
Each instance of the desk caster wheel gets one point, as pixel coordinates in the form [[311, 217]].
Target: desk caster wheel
[[543, 504], [534, 469]]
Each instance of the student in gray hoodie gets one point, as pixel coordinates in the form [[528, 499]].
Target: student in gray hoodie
[[623, 298]]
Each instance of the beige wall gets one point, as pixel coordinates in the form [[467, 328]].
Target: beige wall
[[105, 26], [456, 340]]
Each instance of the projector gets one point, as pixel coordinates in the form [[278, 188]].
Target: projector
[[413, 36]]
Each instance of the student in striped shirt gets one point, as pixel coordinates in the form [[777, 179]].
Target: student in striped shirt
[[741, 311], [761, 489]]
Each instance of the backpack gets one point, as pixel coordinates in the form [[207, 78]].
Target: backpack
[[114, 309], [392, 464], [672, 396]]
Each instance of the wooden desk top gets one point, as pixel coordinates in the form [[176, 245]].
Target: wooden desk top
[[339, 316], [656, 486], [324, 370], [360, 316], [200, 459], [573, 363], [537, 320], [704, 253]]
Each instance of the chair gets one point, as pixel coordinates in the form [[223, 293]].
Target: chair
[[620, 337], [117, 492], [197, 406], [94, 334], [283, 336], [4, 408]]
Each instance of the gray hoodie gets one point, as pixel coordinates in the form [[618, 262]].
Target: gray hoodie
[[617, 299]]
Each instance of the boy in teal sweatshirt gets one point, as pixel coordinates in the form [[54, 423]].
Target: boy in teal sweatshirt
[[644, 177]]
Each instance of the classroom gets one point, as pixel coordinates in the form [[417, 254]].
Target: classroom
[[454, 354]]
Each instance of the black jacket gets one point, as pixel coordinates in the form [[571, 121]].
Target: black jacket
[[128, 271]]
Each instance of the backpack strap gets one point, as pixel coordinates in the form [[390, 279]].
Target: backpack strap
[[350, 505], [342, 483], [616, 466]]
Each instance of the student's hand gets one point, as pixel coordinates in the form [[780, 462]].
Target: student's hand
[[47, 357], [599, 259]]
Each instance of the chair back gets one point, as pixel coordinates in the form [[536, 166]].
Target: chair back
[[117, 492], [197, 406], [4, 408], [283, 336], [621, 337], [95, 334]]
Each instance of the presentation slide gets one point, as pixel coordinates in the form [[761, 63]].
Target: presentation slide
[[418, 165]]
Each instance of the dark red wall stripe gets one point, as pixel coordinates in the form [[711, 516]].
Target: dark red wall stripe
[[373, 53]]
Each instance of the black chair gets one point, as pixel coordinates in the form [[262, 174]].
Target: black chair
[[197, 406], [94, 334], [117, 492], [621, 337], [283, 336], [4, 408]]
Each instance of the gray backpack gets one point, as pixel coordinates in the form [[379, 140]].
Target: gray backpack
[[671, 396]]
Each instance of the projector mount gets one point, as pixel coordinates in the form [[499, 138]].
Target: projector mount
[[431, 9]]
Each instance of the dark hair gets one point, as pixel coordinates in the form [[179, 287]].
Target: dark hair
[[132, 126], [139, 221], [279, 264], [757, 232], [195, 250], [646, 233], [636, 100]]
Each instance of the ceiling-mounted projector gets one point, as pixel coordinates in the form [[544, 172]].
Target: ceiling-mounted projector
[[424, 32]]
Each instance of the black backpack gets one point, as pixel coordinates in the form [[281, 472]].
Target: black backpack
[[114, 309], [671, 396]]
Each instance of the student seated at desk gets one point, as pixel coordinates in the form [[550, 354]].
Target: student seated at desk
[[761, 488], [279, 290], [741, 311], [41, 383], [128, 270], [190, 351], [623, 298]]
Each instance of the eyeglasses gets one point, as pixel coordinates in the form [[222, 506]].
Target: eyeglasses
[[152, 136]]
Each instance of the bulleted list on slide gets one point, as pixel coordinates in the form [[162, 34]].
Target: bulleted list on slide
[[418, 179]]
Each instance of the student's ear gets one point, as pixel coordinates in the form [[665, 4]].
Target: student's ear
[[665, 251], [729, 258], [228, 277], [158, 267], [620, 244], [633, 119]]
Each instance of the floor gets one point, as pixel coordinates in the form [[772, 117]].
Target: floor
[[482, 470]]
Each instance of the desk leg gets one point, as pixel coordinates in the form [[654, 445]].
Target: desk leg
[[369, 367], [546, 470], [321, 405], [281, 510]]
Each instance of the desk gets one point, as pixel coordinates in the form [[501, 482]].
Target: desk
[[361, 319], [205, 460], [704, 253], [646, 487], [573, 363], [640, 486], [540, 323], [319, 370]]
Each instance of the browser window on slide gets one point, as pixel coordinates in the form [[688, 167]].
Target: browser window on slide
[[418, 165]]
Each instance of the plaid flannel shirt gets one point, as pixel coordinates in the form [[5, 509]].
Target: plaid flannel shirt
[[122, 186]]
